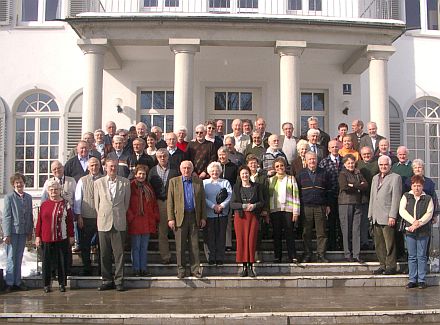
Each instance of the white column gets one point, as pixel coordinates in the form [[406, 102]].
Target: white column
[[378, 73], [184, 50], [94, 51], [290, 92]]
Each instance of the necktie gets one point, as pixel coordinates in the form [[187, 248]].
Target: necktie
[[313, 148], [337, 162], [304, 162]]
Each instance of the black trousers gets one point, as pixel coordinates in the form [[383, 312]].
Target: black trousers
[[57, 252], [217, 238], [283, 221], [87, 232]]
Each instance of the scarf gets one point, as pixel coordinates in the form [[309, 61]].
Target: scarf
[[144, 195]]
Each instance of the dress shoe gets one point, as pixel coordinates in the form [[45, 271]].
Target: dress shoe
[[306, 259], [46, 289], [106, 286], [411, 285], [422, 285], [197, 275], [229, 249], [379, 271], [390, 272], [20, 287], [62, 288], [251, 272], [120, 287], [358, 260], [322, 259], [244, 272], [219, 263], [349, 259]]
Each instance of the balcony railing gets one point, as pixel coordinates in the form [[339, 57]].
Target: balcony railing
[[338, 9]]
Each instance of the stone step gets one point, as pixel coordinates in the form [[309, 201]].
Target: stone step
[[261, 281]]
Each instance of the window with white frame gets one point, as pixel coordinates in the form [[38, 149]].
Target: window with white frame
[[423, 135], [35, 12], [433, 14], [228, 104], [157, 109], [160, 5], [37, 137], [313, 103], [306, 5], [233, 6]]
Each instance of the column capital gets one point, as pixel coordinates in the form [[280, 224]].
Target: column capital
[[94, 45], [379, 52], [184, 45], [295, 48]]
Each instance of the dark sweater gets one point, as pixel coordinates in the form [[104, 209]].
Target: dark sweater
[[314, 193], [156, 183]]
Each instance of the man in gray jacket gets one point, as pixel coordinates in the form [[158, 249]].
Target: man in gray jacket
[[386, 191]]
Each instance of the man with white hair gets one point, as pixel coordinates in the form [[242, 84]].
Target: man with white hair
[[260, 125], [324, 138], [288, 142], [313, 136], [110, 127], [372, 140], [241, 139], [357, 126], [200, 152], [386, 191], [142, 131], [120, 156], [158, 132], [271, 153]]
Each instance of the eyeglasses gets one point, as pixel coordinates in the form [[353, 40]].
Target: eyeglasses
[[199, 132], [279, 166]]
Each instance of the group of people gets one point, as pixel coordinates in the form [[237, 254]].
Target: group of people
[[134, 182]]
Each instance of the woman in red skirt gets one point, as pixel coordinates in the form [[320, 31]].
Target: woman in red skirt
[[247, 202]]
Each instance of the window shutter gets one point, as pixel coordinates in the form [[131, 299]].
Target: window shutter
[[5, 12], [74, 124], [2, 146], [395, 135], [77, 7]]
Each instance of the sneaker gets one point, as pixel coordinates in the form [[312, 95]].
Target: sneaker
[[411, 285], [390, 272], [422, 285], [106, 286], [379, 271]]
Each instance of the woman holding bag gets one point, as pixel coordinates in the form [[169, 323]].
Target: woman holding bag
[[247, 202]]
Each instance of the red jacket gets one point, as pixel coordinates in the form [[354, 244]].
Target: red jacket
[[142, 224], [55, 223]]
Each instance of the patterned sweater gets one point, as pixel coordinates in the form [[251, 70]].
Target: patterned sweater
[[284, 195]]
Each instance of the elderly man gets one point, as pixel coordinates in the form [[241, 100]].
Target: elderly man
[[386, 191], [76, 167], [255, 148], [84, 209], [142, 131], [68, 184], [241, 140], [271, 153], [324, 138], [357, 126], [159, 178], [247, 127], [260, 125], [120, 156], [88, 137], [158, 132], [176, 156], [333, 165], [186, 208], [384, 150], [200, 152], [128, 145], [211, 136], [234, 156], [181, 133], [112, 197], [220, 128], [368, 168], [101, 147], [314, 185], [110, 127], [313, 136], [288, 142], [139, 157], [372, 139]]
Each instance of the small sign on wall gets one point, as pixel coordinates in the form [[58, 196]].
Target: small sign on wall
[[346, 89]]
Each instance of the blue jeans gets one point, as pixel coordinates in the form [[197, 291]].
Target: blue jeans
[[417, 259], [14, 256], [139, 248]]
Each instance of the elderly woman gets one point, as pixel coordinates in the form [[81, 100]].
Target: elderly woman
[[181, 133], [142, 219], [17, 226], [352, 190], [284, 208], [217, 213], [418, 167], [417, 208], [54, 233], [300, 161], [247, 202]]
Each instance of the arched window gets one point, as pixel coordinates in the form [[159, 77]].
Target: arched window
[[37, 137], [423, 134]]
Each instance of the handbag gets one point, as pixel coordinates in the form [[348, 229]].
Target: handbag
[[401, 224]]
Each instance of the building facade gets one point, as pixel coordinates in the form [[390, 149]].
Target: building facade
[[67, 64]]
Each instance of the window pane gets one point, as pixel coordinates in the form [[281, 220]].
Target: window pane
[[53, 106], [44, 152], [169, 123], [19, 125], [29, 167], [246, 101], [30, 124], [433, 157], [159, 100], [411, 128], [147, 120], [420, 129], [170, 100], [306, 101], [19, 138], [54, 124], [146, 99], [315, 5], [220, 101], [158, 121], [30, 139], [233, 101], [432, 14], [43, 169], [53, 152], [433, 143], [420, 142], [44, 138], [248, 3], [150, 3], [52, 10], [171, 3], [44, 124], [30, 151], [318, 102], [19, 167], [412, 11], [29, 180], [29, 10], [294, 5], [219, 3], [42, 180], [19, 153], [54, 138]]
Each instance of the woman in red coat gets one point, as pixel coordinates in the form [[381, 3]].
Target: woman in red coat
[[142, 219], [54, 233]]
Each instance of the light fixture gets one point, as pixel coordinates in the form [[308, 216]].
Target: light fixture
[[345, 107], [118, 104]]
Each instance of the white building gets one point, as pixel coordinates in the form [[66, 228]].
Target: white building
[[185, 61]]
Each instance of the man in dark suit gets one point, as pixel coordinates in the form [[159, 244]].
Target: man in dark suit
[[313, 137], [260, 125], [358, 133], [160, 143], [176, 156], [120, 156], [110, 127], [76, 167], [139, 157], [324, 138], [186, 209], [372, 140]]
